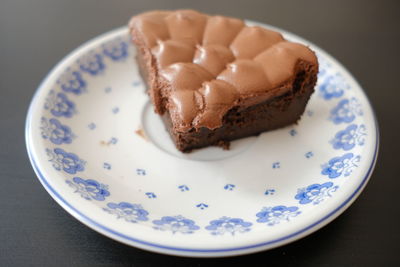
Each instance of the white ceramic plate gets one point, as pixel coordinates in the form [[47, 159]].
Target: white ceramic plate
[[104, 156]]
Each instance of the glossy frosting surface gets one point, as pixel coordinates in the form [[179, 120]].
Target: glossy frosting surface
[[213, 63]]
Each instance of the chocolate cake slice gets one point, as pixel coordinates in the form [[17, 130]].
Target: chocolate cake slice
[[214, 79]]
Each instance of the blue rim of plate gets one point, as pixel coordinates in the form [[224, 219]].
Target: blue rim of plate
[[128, 239]]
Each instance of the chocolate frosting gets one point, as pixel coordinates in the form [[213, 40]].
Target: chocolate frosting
[[207, 65]]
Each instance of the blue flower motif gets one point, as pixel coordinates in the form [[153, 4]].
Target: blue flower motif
[[141, 172], [62, 160], [107, 166], [92, 126], [340, 165], [202, 206], [293, 132], [315, 193], [115, 110], [275, 215], [309, 154], [72, 82], [333, 86], [89, 189], [346, 111], [228, 225], [92, 64], [183, 188], [269, 192], [349, 137], [56, 132], [176, 224], [116, 50], [276, 165], [59, 105], [151, 195], [113, 141], [229, 187], [132, 213]]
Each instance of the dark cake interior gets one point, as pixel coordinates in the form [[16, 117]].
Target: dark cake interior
[[214, 79]]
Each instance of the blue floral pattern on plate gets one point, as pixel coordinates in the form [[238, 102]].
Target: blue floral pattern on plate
[[59, 105], [333, 86], [183, 188], [228, 225], [348, 138], [269, 192], [341, 165], [275, 215], [116, 49], [176, 224], [56, 132], [346, 111], [92, 64], [72, 82], [62, 160], [132, 213], [229, 187], [202, 206], [89, 189], [315, 193]]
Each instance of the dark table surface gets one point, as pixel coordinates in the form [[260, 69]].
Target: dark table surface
[[36, 34]]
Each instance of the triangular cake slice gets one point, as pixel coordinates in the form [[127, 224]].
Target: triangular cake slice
[[214, 79]]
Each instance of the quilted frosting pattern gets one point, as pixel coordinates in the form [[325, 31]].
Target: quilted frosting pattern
[[208, 64]]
